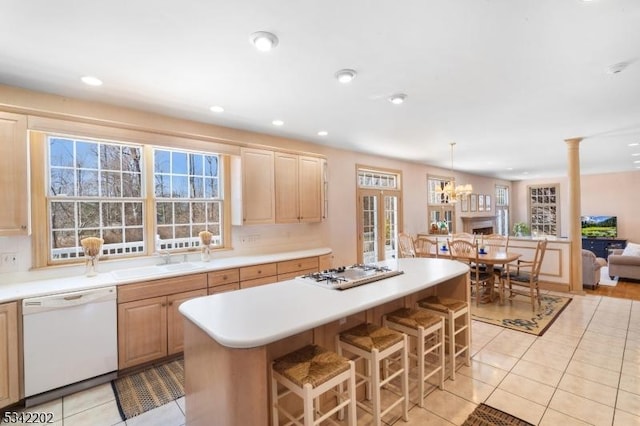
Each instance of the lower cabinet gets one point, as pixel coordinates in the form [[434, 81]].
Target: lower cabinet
[[149, 323], [9, 364]]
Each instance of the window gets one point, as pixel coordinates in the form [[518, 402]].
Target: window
[[95, 189], [544, 205], [137, 197], [438, 207], [502, 210], [187, 198]]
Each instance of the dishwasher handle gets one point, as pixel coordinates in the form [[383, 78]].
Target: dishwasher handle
[[67, 300]]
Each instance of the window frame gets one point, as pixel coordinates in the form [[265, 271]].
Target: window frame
[[438, 209], [540, 228], [40, 214]]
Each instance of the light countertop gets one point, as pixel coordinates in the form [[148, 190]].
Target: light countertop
[[46, 286], [235, 319]]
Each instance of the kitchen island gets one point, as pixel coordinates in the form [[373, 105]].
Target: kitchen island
[[231, 338]]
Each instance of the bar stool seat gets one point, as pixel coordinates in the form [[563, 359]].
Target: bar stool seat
[[429, 331], [451, 310], [310, 372], [377, 345]]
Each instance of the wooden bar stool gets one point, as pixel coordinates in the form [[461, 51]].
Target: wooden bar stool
[[377, 345], [451, 310], [310, 372], [428, 330]]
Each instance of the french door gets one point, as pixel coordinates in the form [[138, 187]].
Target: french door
[[379, 217]]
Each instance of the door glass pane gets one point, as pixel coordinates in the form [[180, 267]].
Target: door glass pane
[[390, 227], [370, 228]]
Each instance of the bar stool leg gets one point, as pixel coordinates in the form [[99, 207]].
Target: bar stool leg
[[451, 324], [351, 388], [375, 378], [309, 409], [405, 379]]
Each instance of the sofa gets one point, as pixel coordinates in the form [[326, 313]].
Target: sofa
[[591, 266], [625, 263]]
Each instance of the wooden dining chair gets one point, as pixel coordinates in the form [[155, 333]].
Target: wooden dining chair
[[464, 236], [524, 280], [406, 248], [496, 243], [464, 251], [426, 247]]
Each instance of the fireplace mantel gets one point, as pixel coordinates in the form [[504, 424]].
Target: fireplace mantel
[[469, 223]]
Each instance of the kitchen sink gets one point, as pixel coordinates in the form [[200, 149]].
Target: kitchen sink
[[176, 267], [154, 271]]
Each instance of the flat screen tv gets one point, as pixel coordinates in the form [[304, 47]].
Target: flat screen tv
[[599, 226]]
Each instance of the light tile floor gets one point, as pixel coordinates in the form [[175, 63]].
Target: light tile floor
[[585, 370]]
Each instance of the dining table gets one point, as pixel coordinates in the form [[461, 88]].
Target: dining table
[[491, 256]]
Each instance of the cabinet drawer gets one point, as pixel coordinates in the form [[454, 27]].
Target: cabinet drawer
[[223, 277], [258, 281], [297, 265], [258, 271], [291, 275], [224, 288], [163, 287]]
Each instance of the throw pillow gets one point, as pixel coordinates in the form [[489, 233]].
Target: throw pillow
[[632, 249]]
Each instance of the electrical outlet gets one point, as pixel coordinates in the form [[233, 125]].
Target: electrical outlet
[[9, 262]]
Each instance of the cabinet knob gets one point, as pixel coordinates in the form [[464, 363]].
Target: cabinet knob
[[259, 271], [224, 278], [163, 305], [170, 303], [23, 226]]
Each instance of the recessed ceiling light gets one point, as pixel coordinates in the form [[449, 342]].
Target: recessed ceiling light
[[637, 162], [398, 98], [216, 108], [323, 133], [277, 122], [635, 154], [346, 75], [509, 168], [263, 41], [634, 144], [90, 80]]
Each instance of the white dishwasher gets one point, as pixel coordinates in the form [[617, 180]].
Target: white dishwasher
[[70, 342]]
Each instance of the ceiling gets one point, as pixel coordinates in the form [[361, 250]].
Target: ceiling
[[507, 80]]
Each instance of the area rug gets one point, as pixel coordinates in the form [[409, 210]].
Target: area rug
[[484, 415], [150, 388], [604, 277], [517, 314]]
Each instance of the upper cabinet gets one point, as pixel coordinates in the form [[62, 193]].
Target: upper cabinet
[[276, 187], [258, 205], [13, 174], [298, 187]]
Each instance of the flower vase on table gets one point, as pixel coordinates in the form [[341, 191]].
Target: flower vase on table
[[92, 247]]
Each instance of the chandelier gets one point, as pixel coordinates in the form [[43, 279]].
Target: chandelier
[[450, 190]]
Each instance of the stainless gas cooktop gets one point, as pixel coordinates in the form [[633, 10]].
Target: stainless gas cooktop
[[346, 277]]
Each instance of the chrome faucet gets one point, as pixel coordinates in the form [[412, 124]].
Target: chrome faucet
[[165, 255]]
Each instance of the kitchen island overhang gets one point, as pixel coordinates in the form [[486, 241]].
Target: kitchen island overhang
[[231, 338]]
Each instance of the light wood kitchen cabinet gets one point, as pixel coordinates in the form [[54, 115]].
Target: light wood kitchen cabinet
[[298, 188], [13, 174], [292, 268], [149, 323], [325, 262], [224, 280], [9, 362], [175, 321], [252, 276], [258, 202]]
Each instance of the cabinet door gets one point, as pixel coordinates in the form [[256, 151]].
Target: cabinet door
[[9, 384], [175, 325], [142, 331], [13, 174], [257, 186], [310, 189], [286, 187]]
